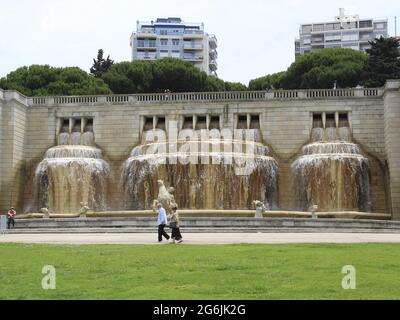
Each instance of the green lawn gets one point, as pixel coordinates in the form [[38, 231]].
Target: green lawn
[[200, 272]]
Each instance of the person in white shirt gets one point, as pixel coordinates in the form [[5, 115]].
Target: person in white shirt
[[162, 221]]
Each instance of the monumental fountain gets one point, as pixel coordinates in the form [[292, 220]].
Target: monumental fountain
[[332, 173], [335, 150], [72, 173], [209, 169]]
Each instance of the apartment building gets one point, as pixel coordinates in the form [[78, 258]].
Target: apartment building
[[345, 31], [171, 37]]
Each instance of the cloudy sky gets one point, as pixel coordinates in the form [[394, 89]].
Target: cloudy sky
[[255, 36]]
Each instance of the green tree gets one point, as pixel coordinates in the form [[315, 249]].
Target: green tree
[[177, 76], [321, 69], [235, 86], [101, 65], [214, 84], [164, 74], [383, 62], [271, 81], [42, 80], [130, 77]]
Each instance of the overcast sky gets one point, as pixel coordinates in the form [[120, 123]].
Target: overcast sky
[[255, 37]]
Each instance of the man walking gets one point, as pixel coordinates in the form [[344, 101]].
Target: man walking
[[10, 217], [162, 222]]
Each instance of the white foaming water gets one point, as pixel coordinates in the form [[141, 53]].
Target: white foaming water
[[331, 148], [75, 138], [73, 152], [342, 134], [63, 139], [332, 172], [88, 138], [71, 175], [203, 161]]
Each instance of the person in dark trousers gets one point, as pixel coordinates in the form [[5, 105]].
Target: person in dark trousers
[[174, 224], [162, 222], [10, 217]]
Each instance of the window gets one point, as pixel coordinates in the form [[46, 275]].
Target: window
[[164, 42], [214, 122], [330, 120], [164, 53], [366, 24], [148, 123], [353, 46], [176, 54], [380, 25], [334, 36], [201, 123], [175, 42], [306, 29], [77, 125], [343, 120], [318, 27], [163, 32], [255, 122], [65, 126], [332, 26], [188, 122], [161, 123], [242, 122], [350, 36], [317, 120], [89, 125]]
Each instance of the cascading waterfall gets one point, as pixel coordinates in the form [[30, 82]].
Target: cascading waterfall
[[71, 174], [332, 172], [211, 172]]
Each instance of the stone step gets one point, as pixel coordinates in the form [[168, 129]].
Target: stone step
[[201, 230], [213, 223]]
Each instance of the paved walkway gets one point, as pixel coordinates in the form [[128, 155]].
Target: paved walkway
[[203, 238]]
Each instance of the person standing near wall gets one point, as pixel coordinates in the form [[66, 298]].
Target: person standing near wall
[[10, 217]]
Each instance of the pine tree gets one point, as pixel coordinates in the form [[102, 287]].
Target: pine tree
[[101, 65], [383, 62]]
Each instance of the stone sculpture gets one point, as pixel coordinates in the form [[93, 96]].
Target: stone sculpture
[[46, 214], [84, 210], [260, 208], [165, 197]]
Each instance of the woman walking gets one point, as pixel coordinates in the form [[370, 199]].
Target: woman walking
[[174, 224]]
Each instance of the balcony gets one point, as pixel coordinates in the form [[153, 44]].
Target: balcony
[[213, 42], [146, 45], [213, 65], [146, 57], [213, 54], [192, 46], [193, 58], [146, 33], [193, 34]]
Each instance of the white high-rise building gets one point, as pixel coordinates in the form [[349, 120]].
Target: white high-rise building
[[345, 31], [171, 37]]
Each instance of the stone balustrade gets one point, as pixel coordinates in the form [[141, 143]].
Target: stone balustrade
[[195, 97]]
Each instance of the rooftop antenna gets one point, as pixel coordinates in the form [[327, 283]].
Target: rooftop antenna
[[395, 26]]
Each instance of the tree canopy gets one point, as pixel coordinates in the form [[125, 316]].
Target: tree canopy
[[163, 74], [271, 81], [129, 77], [345, 67], [321, 69], [383, 62], [43, 80], [101, 65]]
